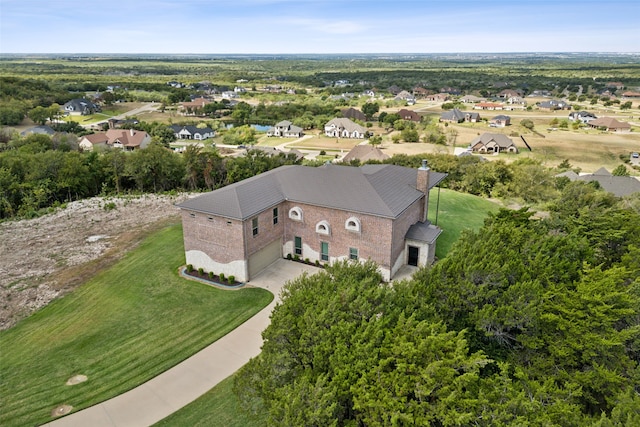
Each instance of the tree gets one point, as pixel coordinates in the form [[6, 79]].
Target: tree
[[620, 170], [527, 123], [625, 105], [39, 115], [375, 140], [370, 109]]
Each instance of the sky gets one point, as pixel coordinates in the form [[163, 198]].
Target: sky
[[318, 27]]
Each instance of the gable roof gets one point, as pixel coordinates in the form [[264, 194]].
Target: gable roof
[[40, 129], [364, 153], [408, 115], [344, 123], [128, 138], [380, 190], [353, 113], [609, 123], [191, 129], [503, 141], [618, 185], [454, 114]]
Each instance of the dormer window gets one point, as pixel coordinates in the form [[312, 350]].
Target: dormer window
[[323, 228], [352, 224], [295, 213]]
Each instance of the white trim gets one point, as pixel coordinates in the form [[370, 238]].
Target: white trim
[[356, 227], [323, 227], [295, 213]]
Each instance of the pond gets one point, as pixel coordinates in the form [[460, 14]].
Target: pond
[[259, 128]]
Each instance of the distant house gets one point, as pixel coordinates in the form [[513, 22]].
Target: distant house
[[229, 94], [582, 116], [457, 116], [394, 90], [93, 142], [39, 130], [610, 124], [488, 106], [119, 123], [80, 106], [438, 97], [493, 143], [126, 139], [516, 100], [353, 114], [344, 128], [409, 115], [285, 129], [554, 104], [273, 151], [192, 132], [631, 94], [364, 153], [471, 99], [193, 106], [619, 186], [420, 92], [500, 121], [405, 96], [509, 93]]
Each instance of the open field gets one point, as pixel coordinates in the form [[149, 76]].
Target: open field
[[124, 326]]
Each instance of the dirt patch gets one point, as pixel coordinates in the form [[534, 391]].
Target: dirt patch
[[44, 258], [76, 379], [61, 410]]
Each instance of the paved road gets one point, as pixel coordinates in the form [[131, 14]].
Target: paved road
[[185, 382], [153, 106]]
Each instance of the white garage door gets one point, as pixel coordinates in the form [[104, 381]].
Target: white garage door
[[264, 257]]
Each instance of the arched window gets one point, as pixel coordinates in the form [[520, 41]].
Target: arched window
[[295, 213], [352, 224], [323, 227]]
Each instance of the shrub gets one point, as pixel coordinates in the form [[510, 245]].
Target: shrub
[[289, 257], [201, 270], [306, 260], [317, 263], [109, 206], [222, 277], [323, 153], [189, 268], [232, 279], [211, 275], [296, 257]]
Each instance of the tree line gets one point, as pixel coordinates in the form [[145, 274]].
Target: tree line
[[38, 172], [525, 322]]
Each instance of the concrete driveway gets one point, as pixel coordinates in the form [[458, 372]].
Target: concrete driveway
[[185, 382]]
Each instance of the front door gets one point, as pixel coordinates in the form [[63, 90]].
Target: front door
[[414, 255]]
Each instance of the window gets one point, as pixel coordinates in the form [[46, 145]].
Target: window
[[353, 253], [352, 224], [324, 251], [323, 228], [295, 214], [254, 226], [298, 246], [275, 216], [192, 215]]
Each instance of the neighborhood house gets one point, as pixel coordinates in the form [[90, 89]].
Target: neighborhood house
[[344, 128], [192, 132], [493, 143], [285, 129], [324, 214]]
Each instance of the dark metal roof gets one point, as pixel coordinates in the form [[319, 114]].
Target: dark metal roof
[[381, 190], [423, 232]]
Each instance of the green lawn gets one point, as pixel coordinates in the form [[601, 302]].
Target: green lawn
[[218, 407], [457, 211], [125, 326]]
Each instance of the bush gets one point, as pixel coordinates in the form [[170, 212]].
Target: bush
[[307, 260], [189, 268], [201, 270], [296, 257], [109, 206], [323, 153], [222, 277], [232, 279], [317, 263], [289, 257], [211, 275]]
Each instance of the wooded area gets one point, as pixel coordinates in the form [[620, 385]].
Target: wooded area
[[526, 322]]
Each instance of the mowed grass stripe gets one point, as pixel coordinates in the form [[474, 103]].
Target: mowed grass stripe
[[123, 327]]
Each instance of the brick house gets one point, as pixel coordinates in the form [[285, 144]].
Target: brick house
[[329, 213]]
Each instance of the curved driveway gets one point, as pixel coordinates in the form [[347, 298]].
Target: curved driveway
[[185, 382]]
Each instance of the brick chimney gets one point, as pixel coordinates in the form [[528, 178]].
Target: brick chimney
[[422, 185], [132, 132]]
